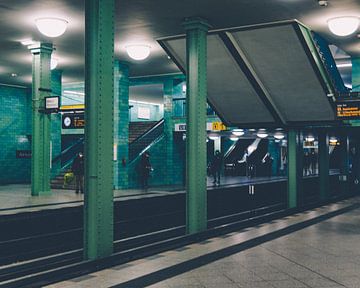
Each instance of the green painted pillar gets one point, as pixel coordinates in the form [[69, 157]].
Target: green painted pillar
[[170, 178], [56, 87], [345, 160], [355, 74], [324, 164], [196, 53], [295, 173], [121, 127], [99, 129], [41, 88]]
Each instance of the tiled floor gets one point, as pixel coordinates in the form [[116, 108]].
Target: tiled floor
[[318, 248]]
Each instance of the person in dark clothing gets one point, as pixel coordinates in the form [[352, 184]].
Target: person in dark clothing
[[215, 167], [78, 170], [145, 169]]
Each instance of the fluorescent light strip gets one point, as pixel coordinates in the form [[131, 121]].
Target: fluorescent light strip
[[344, 65], [74, 93]]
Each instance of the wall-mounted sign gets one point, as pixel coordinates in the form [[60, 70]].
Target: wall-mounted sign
[[348, 110], [73, 121], [23, 154], [52, 103], [144, 113], [218, 126]]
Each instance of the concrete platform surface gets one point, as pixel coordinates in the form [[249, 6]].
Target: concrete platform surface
[[318, 248]]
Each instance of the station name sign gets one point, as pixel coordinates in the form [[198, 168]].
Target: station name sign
[[210, 126], [348, 110], [73, 121]]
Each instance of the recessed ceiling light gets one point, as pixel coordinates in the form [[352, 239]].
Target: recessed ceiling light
[[279, 136], [27, 42], [234, 138], [343, 26], [51, 27], [138, 52]]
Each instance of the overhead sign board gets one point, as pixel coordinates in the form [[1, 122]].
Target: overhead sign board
[[52, 103], [210, 126], [348, 110], [73, 121]]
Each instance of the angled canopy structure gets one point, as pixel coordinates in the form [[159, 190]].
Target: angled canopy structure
[[268, 74]]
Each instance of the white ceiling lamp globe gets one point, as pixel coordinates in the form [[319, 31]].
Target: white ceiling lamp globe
[[238, 132], [138, 52], [53, 63], [51, 27], [279, 136], [343, 26]]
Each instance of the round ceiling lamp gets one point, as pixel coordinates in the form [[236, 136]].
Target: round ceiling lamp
[[138, 52], [262, 134], [333, 141], [53, 63], [238, 132], [343, 26], [51, 27], [279, 136], [234, 138], [310, 138], [213, 137]]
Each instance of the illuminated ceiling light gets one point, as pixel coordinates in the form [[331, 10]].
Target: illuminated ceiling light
[[262, 134], [14, 75], [234, 138], [138, 52], [27, 42], [51, 27], [343, 26], [279, 136], [310, 138], [213, 137], [344, 65], [53, 63], [333, 140], [238, 132]]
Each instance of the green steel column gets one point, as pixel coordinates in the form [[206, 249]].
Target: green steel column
[[344, 158], [121, 127], [99, 135], [41, 88], [355, 74], [295, 156], [169, 130], [196, 53], [324, 164]]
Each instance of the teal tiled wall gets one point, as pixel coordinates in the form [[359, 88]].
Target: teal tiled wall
[[15, 127]]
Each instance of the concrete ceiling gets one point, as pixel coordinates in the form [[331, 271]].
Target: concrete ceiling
[[144, 21]]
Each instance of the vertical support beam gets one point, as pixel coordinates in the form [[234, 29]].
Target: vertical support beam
[[121, 127], [169, 130], [196, 58], [99, 130], [355, 74], [324, 164], [345, 159], [295, 155], [41, 88]]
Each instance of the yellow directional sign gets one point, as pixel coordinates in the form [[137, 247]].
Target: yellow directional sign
[[218, 126]]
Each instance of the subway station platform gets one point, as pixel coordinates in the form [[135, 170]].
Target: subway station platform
[[317, 248]]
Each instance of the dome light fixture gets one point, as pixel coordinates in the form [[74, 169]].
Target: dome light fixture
[[238, 132], [310, 138], [262, 134], [234, 138], [279, 136], [333, 141], [213, 137], [51, 27], [138, 52], [343, 26], [53, 63]]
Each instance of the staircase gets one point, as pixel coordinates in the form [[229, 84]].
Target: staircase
[[141, 135], [137, 129]]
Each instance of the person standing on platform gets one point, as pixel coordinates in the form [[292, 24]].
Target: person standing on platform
[[215, 167], [78, 170], [145, 169]]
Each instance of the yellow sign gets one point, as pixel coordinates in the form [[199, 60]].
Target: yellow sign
[[218, 126], [73, 107]]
